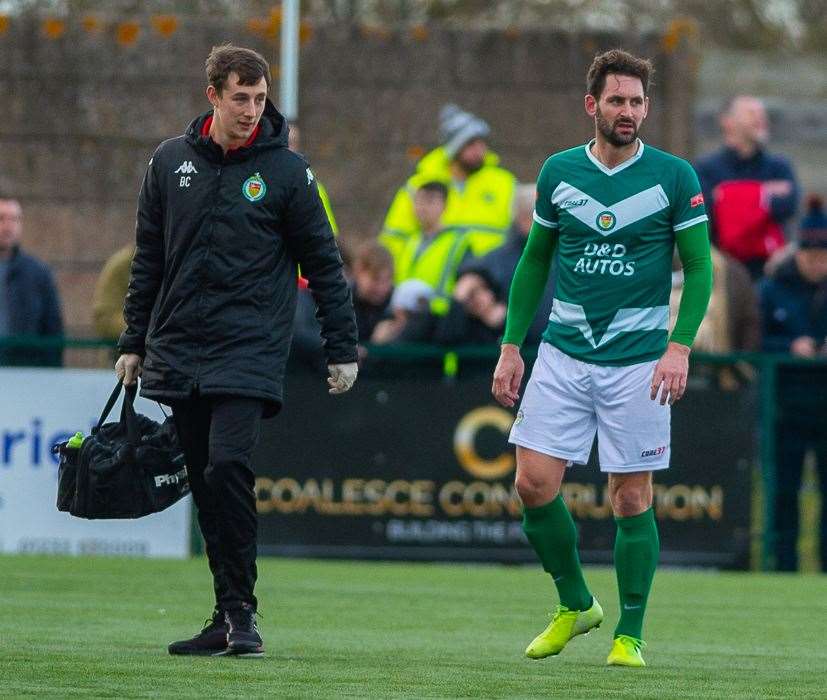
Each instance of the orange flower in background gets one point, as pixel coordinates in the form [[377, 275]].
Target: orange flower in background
[[256, 25], [419, 32], [165, 25], [4, 23], [677, 29], [91, 24], [54, 28], [305, 32], [127, 33], [374, 31], [266, 26]]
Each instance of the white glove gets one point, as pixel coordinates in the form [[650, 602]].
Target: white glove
[[342, 377]]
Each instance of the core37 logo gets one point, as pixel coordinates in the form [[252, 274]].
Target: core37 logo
[[653, 453], [185, 170]]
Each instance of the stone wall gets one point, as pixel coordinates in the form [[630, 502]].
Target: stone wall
[[83, 113]]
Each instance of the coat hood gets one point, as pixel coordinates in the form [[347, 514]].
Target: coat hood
[[273, 131]]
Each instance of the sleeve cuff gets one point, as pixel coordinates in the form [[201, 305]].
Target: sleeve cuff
[[691, 222], [544, 222]]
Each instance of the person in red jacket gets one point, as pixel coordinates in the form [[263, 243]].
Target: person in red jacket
[[750, 194]]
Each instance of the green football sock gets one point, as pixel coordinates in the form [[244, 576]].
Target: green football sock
[[636, 558], [553, 534]]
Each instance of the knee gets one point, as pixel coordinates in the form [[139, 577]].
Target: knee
[[629, 500], [533, 490]]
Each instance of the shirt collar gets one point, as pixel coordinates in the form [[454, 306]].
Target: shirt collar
[[622, 166]]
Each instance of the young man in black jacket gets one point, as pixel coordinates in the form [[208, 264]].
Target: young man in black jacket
[[225, 214]]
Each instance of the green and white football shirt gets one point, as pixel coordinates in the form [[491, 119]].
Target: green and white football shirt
[[616, 233]]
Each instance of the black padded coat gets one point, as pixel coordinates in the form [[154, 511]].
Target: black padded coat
[[212, 289]]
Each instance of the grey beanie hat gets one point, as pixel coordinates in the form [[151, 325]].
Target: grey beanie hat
[[457, 127]]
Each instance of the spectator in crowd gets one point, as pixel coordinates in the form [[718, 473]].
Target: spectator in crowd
[[411, 299], [110, 293], [294, 144], [732, 322], [794, 306], [29, 300], [750, 194], [479, 191], [432, 253], [371, 287], [499, 264], [476, 315]]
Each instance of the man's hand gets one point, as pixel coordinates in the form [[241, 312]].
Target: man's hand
[[342, 377], [776, 188], [508, 375], [128, 368], [671, 372], [804, 346]]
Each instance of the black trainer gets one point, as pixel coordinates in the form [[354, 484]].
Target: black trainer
[[209, 641], [243, 637]]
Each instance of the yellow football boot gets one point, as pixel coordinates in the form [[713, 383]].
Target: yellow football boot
[[626, 652], [565, 625]]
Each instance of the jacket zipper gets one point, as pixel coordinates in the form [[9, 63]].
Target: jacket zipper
[[201, 291]]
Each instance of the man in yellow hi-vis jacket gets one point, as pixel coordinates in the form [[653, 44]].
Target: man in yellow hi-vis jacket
[[480, 192]]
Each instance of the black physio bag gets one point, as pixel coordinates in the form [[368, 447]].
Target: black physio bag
[[126, 469]]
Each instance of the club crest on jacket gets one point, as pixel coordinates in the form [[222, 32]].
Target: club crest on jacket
[[254, 188]]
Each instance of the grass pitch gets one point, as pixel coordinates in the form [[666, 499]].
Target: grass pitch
[[99, 628]]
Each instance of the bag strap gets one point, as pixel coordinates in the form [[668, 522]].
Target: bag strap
[[128, 418], [107, 409]]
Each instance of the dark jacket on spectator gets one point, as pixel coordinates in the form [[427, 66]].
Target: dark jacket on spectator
[[307, 333], [212, 292], [500, 264], [367, 315], [453, 329], [792, 307], [34, 310]]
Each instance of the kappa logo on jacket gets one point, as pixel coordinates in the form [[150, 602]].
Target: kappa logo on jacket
[[187, 168]]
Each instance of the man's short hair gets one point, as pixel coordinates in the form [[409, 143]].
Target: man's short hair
[[373, 257], [618, 62], [729, 103], [436, 187], [249, 65]]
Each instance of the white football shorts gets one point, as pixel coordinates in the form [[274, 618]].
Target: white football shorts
[[567, 402]]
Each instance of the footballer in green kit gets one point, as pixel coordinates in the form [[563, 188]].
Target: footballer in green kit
[[612, 211]]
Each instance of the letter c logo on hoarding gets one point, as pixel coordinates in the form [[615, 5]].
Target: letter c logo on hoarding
[[465, 437]]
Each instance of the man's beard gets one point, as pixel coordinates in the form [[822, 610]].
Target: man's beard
[[469, 168], [609, 133]]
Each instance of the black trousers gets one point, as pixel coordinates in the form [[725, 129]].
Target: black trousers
[[794, 437], [218, 435]]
